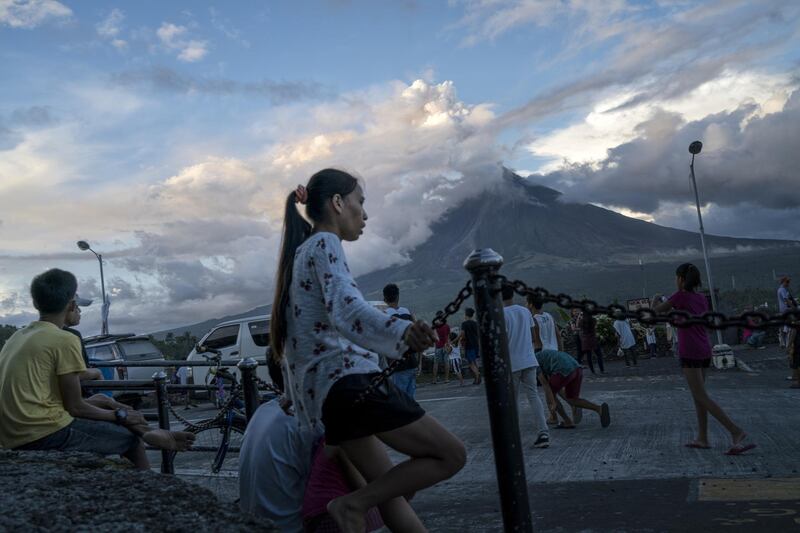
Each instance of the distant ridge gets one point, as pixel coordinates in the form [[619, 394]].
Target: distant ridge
[[568, 246]]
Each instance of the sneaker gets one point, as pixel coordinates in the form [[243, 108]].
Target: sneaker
[[605, 415], [542, 442]]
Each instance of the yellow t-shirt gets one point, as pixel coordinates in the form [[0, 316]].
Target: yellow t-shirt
[[30, 397]]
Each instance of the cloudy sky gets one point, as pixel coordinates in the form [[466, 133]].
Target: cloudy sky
[[168, 134]]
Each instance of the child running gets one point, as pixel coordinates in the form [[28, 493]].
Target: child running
[[694, 351], [455, 357], [329, 336]]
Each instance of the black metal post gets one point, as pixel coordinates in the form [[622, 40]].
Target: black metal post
[[160, 379], [482, 264], [248, 367]]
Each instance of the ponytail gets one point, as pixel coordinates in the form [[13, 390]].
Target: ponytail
[[296, 229], [690, 275]]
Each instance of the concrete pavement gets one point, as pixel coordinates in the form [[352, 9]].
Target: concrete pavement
[[635, 475]]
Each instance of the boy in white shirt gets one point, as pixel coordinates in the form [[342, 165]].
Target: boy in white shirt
[[454, 353], [519, 327]]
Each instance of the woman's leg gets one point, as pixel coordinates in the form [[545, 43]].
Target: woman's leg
[[435, 455], [695, 378]]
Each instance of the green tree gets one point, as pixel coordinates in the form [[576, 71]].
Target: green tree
[[5, 333], [176, 347]]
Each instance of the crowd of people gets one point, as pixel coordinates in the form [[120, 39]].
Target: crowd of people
[[316, 459]]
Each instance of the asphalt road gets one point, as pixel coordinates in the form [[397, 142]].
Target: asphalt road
[[635, 475]]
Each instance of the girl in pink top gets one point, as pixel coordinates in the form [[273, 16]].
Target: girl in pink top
[[332, 476], [694, 350]]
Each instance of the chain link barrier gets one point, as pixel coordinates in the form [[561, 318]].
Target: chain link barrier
[[448, 311], [676, 318]]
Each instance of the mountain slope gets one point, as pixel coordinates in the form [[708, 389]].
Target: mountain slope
[[577, 248]]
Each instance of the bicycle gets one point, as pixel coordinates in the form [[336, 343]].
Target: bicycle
[[218, 435]]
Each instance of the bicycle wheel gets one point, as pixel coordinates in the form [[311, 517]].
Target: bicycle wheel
[[215, 467]]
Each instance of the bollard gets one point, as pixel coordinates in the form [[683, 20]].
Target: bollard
[[509, 464], [160, 379], [248, 367]]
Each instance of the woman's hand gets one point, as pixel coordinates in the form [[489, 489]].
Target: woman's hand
[[419, 336]]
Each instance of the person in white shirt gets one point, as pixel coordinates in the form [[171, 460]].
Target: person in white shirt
[[650, 340], [626, 340], [455, 357], [274, 465], [525, 367], [546, 336], [785, 303]]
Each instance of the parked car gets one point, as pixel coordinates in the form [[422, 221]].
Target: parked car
[[125, 348], [240, 338], [235, 339]]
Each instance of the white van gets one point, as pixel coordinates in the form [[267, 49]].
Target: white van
[[235, 339], [240, 338]]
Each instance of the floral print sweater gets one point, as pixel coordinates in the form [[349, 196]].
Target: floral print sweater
[[331, 330]]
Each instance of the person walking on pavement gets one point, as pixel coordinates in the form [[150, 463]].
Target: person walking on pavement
[[589, 344], [695, 356], [626, 341], [405, 375], [519, 329], [546, 335], [440, 352], [785, 302], [575, 329], [469, 340]]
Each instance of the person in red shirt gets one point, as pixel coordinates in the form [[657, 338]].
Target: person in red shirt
[[440, 355]]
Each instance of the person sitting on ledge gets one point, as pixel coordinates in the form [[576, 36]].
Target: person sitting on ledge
[[41, 407]]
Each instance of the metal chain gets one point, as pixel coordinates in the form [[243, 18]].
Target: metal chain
[[268, 386], [196, 428], [676, 318], [449, 310]]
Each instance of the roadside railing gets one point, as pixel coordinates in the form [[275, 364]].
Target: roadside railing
[[249, 385]]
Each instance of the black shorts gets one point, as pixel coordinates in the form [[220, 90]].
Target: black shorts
[[695, 363], [385, 408]]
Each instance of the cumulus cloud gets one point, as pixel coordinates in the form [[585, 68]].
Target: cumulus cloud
[[110, 28], [28, 14], [745, 158], [174, 38], [167, 79], [203, 241]]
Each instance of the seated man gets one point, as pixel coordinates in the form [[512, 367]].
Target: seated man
[[561, 371], [41, 407], [274, 466]]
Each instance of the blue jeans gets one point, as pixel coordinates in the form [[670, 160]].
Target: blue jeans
[[82, 435], [406, 381], [756, 339]]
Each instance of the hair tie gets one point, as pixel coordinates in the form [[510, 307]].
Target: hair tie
[[301, 194]]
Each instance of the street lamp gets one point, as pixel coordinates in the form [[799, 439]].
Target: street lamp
[[694, 149], [83, 245]]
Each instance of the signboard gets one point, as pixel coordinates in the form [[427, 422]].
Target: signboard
[[638, 303]]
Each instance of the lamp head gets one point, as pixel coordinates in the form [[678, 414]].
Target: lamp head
[[83, 245], [695, 147]]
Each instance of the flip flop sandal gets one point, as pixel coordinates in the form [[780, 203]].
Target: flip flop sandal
[[697, 446], [739, 450]]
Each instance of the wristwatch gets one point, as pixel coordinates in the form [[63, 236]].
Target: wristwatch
[[121, 416]]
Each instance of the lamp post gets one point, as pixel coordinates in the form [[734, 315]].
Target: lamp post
[[83, 245], [694, 149]]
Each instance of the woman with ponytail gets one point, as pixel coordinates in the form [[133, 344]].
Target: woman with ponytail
[[328, 336], [694, 350]]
